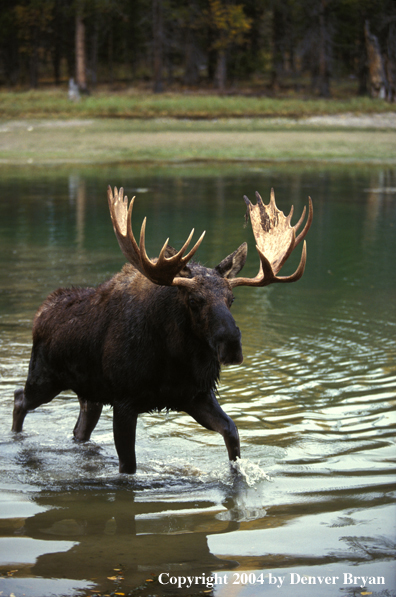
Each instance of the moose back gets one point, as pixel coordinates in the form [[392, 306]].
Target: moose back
[[155, 335]]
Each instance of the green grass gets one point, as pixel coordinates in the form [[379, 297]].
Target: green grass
[[44, 127], [116, 141], [54, 103]]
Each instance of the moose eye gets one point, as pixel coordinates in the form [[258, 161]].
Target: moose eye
[[194, 302]]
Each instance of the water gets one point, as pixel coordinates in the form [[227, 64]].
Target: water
[[310, 507]]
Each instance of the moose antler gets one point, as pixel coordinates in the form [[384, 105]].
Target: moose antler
[[164, 270], [276, 239]]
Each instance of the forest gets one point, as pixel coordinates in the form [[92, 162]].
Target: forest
[[270, 47]]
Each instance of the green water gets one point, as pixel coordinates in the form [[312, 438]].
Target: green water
[[314, 400]]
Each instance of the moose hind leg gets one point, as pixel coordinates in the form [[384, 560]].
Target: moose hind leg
[[87, 419], [208, 413], [124, 429]]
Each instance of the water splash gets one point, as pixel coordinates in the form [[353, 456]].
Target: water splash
[[242, 471], [250, 472]]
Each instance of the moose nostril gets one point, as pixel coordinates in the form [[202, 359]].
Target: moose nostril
[[230, 353], [229, 334]]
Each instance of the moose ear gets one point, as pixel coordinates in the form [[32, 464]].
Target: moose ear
[[232, 265]]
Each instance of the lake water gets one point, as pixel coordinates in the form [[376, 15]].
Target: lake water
[[311, 509]]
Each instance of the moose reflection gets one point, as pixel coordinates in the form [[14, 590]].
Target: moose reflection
[[115, 538], [155, 335]]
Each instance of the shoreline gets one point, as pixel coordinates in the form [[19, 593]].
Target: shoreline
[[343, 139]]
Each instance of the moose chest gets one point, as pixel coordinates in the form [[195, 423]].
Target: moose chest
[[152, 358]]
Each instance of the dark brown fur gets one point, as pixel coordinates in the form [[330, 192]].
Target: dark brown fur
[[139, 347]]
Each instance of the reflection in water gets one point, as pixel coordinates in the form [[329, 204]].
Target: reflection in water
[[380, 199], [77, 194], [113, 531], [314, 400]]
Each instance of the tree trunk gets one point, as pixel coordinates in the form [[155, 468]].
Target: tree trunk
[[11, 62], [221, 70], [378, 83], [110, 53], [324, 70], [33, 60], [278, 38], [191, 72], [158, 35], [57, 46], [191, 76], [362, 70], [390, 63], [81, 74], [94, 52]]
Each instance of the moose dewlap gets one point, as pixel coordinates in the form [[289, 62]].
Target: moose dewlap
[[155, 335]]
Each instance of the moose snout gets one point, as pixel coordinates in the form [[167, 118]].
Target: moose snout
[[229, 346]]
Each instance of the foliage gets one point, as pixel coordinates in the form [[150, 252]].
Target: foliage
[[33, 20], [277, 43], [229, 22], [31, 17], [134, 105]]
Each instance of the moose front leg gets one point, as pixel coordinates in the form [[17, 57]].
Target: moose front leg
[[207, 412], [28, 398], [87, 419], [20, 410], [124, 429]]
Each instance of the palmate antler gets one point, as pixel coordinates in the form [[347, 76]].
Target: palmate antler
[[164, 270], [276, 239]]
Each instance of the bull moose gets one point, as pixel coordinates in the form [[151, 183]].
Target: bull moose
[[155, 335]]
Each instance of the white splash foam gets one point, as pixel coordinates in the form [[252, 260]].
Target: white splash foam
[[250, 471]]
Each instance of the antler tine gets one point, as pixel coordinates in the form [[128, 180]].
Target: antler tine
[[248, 203], [300, 221], [179, 255], [259, 199], [272, 198], [195, 248], [130, 234], [269, 276], [144, 258], [276, 240], [165, 270], [307, 224], [120, 217]]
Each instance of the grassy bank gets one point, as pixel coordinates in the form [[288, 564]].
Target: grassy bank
[[54, 103], [112, 141]]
